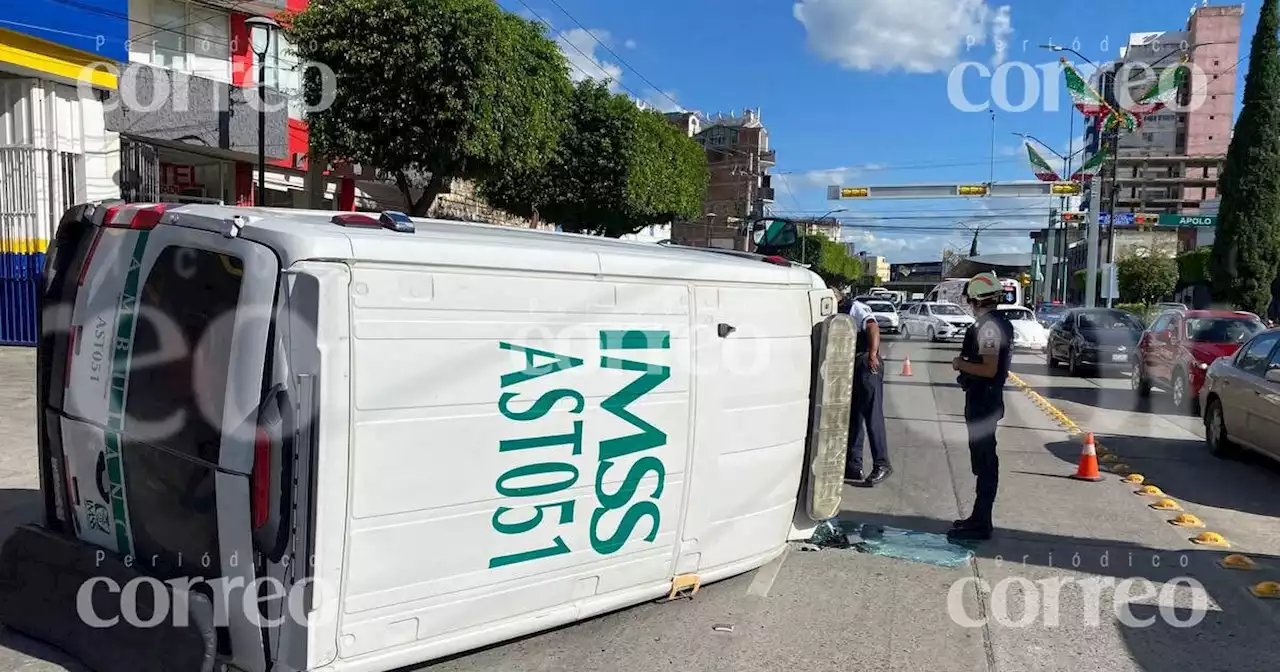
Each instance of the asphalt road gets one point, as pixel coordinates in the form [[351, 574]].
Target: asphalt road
[[844, 610]]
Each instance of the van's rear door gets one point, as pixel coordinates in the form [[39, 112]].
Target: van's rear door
[[155, 417]]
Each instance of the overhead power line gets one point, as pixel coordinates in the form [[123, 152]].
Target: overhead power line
[[613, 53]]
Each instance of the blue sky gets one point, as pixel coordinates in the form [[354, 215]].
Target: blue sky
[[856, 92]]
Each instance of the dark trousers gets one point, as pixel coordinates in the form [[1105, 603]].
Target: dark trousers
[[983, 410], [867, 416]]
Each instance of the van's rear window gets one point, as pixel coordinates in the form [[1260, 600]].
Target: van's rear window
[[177, 383], [182, 350]]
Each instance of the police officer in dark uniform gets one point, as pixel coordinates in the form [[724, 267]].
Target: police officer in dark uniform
[[867, 416], [983, 367]]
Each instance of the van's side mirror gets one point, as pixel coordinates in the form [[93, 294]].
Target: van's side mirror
[[772, 234], [1273, 375]]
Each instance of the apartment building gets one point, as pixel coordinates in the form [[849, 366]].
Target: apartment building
[[1171, 163], [740, 186]]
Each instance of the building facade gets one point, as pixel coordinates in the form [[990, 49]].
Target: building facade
[[740, 186], [56, 63], [1171, 162]]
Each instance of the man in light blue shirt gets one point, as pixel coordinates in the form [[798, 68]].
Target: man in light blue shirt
[[868, 402]]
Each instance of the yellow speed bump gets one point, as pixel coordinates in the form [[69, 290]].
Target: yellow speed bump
[[1187, 520], [1135, 479], [1211, 539], [1149, 491], [1269, 590], [1166, 505], [1237, 561]]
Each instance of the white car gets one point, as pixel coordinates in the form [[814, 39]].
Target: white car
[[1028, 333], [886, 316], [936, 321]]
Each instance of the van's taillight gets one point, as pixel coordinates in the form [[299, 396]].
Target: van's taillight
[[88, 257], [137, 217], [781, 261], [260, 506]]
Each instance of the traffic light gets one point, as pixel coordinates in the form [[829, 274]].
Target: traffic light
[[1064, 188], [1145, 222], [854, 192], [1076, 218], [971, 190]]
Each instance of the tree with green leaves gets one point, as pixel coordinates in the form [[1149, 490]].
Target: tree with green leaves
[[829, 259], [1246, 249], [618, 169], [1146, 278], [426, 91]]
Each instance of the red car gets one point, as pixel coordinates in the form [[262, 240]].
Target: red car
[[1180, 345]]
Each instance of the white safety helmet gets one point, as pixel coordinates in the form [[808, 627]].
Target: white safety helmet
[[982, 287]]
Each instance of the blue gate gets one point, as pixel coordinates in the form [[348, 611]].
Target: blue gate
[[36, 187]]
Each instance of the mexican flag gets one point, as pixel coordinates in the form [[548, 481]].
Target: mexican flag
[[1084, 97], [1043, 171], [1163, 92], [1090, 167]]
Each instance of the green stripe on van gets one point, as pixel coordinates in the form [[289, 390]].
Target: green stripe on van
[[122, 349]]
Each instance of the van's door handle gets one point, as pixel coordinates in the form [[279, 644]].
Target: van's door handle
[[99, 471]]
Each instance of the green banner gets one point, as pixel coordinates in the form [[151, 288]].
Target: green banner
[[1182, 221]]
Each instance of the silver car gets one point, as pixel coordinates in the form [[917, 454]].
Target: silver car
[[1241, 399]]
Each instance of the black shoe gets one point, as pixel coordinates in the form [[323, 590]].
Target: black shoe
[[853, 475], [878, 474], [970, 533], [965, 523]]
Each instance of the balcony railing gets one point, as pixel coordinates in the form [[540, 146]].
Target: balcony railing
[[769, 156]]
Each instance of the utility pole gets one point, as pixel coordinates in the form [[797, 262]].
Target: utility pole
[[1091, 280]]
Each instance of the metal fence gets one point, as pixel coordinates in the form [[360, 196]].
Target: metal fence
[[36, 187], [139, 172]]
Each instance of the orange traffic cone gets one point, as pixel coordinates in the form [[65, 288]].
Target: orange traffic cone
[[1088, 469], [906, 366]]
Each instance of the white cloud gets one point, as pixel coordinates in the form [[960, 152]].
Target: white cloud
[[1001, 31], [579, 48], [663, 101], [915, 36], [588, 60], [824, 177]]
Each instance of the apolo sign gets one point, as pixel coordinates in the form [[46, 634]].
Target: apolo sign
[[1188, 221]]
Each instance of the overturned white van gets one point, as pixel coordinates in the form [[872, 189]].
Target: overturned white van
[[296, 440]]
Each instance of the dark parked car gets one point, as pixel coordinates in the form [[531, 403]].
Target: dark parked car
[[1094, 338], [1180, 346], [1241, 398]]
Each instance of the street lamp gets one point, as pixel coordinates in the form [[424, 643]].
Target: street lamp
[[261, 28]]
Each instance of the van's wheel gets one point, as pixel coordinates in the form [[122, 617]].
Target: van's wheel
[[1215, 432]]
